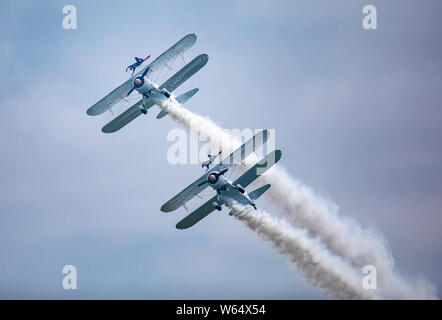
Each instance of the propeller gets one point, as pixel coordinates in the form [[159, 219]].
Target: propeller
[[130, 91], [216, 174], [202, 183], [139, 80]]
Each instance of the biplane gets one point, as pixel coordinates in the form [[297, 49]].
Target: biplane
[[151, 93], [227, 192]]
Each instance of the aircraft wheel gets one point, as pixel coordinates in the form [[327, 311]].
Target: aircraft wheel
[[218, 208], [144, 111], [167, 95]]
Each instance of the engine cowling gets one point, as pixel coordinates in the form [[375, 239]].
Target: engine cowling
[[138, 82], [213, 177], [216, 180]]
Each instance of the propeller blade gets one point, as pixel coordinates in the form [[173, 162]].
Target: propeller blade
[[223, 171], [130, 91], [145, 71]]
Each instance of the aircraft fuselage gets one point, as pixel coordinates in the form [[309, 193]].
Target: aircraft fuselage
[[149, 90], [227, 192]]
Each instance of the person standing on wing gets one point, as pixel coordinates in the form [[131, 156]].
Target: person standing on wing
[[209, 162], [136, 64]]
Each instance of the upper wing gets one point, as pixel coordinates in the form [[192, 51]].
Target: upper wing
[[245, 150], [158, 64], [169, 56], [126, 117], [197, 215], [185, 73], [258, 169], [111, 99], [238, 155], [185, 195]]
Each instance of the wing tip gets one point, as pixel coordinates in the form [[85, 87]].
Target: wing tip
[[91, 112], [106, 130], [192, 37], [165, 208], [181, 226], [205, 56], [278, 155]]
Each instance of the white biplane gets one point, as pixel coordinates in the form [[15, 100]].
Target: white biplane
[[227, 191], [152, 93]]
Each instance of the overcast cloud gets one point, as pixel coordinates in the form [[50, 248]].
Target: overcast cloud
[[357, 115]]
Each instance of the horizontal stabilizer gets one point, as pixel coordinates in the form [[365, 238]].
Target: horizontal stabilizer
[[181, 99], [162, 114], [255, 194]]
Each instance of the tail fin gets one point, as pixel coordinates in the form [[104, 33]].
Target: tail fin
[[255, 194], [181, 99]]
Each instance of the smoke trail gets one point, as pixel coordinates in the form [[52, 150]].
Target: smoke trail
[[319, 217], [319, 267], [343, 236]]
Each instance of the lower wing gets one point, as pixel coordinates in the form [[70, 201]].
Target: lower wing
[[185, 73], [258, 169], [200, 213], [124, 118]]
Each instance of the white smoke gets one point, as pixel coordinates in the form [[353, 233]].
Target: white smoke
[[343, 236], [319, 267], [319, 217]]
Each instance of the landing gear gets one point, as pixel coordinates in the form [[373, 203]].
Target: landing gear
[[254, 206], [167, 94], [240, 189], [144, 111], [217, 206]]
